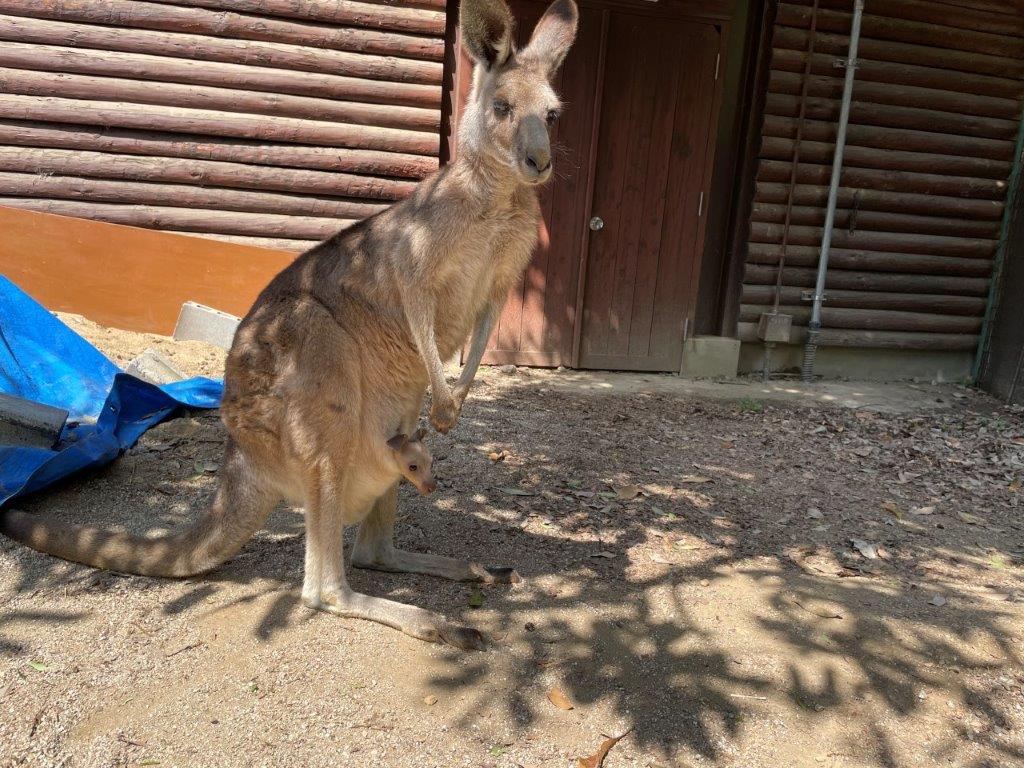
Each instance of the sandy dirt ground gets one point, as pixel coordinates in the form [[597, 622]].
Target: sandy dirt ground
[[732, 580]]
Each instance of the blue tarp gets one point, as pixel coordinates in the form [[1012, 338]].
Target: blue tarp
[[41, 359]]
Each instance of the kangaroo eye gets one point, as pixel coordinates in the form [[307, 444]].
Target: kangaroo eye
[[552, 116], [413, 467], [502, 108]]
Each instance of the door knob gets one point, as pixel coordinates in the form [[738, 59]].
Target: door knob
[[597, 223]]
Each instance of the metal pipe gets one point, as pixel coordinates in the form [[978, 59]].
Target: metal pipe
[[814, 326]]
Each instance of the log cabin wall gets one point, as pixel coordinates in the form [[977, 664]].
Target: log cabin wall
[[935, 116], [266, 122]]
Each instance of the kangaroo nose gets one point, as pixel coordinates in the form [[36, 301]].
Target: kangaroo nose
[[540, 161]]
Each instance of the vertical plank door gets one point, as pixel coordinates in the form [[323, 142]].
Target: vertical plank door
[[652, 166]]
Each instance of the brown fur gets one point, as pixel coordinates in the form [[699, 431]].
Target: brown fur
[[335, 355]]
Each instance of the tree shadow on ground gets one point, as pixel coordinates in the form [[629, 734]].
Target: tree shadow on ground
[[704, 602]]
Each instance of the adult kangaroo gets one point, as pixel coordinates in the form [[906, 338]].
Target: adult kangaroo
[[335, 356]]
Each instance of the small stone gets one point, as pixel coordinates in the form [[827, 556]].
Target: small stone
[[430, 700], [508, 369], [530, 626], [705, 583]]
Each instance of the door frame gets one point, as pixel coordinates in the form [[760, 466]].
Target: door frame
[[457, 82]]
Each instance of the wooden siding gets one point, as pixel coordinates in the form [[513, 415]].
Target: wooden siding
[[265, 122], [936, 110]]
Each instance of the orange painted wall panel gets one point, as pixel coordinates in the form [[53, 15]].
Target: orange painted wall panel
[[128, 277]]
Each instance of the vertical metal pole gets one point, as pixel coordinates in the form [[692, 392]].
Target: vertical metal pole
[[814, 327]]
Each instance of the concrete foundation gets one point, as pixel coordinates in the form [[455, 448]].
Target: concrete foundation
[[710, 357], [863, 364]]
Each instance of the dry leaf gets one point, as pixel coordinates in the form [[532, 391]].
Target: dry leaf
[[596, 760], [814, 513], [627, 492], [870, 551], [603, 553], [864, 452], [695, 479], [517, 492], [967, 517], [893, 508], [557, 697], [1015, 486], [938, 601], [922, 510], [659, 558]]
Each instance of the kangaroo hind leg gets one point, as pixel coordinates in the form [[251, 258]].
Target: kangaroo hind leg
[[325, 565], [375, 549]]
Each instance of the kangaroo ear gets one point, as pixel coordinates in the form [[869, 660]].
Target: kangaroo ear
[[487, 28], [554, 35], [398, 442], [420, 434]]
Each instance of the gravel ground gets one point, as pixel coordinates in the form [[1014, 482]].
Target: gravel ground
[[733, 582]]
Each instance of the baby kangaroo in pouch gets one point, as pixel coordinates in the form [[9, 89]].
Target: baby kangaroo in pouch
[[342, 345], [413, 461]]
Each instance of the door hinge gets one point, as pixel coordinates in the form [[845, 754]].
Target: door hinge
[[718, 63], [700, 205]]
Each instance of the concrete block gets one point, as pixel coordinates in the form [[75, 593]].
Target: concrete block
[[775, 327], [197, 322], [707, 357], [25, 423], [153, 367]]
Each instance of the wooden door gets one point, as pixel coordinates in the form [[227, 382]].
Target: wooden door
[[633, 147], [650, 174], [537, 325]]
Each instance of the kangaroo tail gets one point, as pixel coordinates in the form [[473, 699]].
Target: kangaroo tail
[[239, 509]]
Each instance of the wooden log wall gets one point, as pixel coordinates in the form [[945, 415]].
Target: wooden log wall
[[264, 122], [935, 116]]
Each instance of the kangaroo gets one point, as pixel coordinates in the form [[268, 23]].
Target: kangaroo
[[413, 461], [352, 333]]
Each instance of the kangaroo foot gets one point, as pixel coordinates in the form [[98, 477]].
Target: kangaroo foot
[[413, 621]]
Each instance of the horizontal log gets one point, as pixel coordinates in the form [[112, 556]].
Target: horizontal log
[[870, 261], [871, 319], [880, 200], [822, 153], [900, 73], [139, 66], [831, 87], [232, 100], [206, 173], [135, 14], [860, 221], [889, 181], [900, 30], [373, 15], [930, 12], [902, 53], [174, 219], [757, 274], [895, 242], [904, 340], [429, 5], [764, 295], [250, 52], [893, 116], [1010, 8], [179, 196], [274, 243], [893, 139], [151, 143], [210, 122]]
